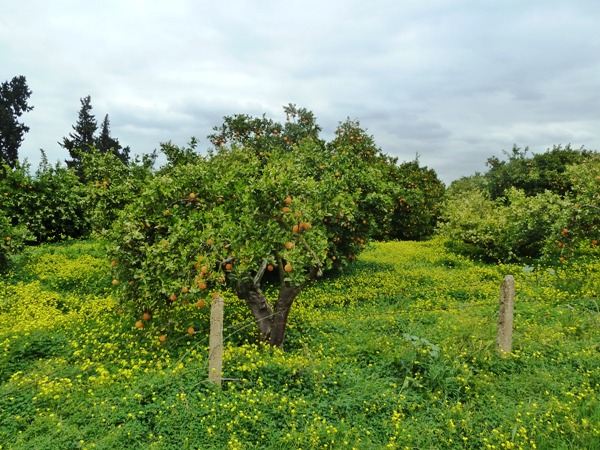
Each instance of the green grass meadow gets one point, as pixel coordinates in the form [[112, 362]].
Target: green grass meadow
[[397, 351]]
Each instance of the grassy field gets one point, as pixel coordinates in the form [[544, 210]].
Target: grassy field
[[396, 352]]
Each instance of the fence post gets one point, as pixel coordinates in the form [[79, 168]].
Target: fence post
[[215, 342], [505, 316]]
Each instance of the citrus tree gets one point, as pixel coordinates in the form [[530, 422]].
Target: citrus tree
[[270, 198]]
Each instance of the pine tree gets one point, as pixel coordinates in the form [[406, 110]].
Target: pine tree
[[13, 103], [82, 140], [106, 143]]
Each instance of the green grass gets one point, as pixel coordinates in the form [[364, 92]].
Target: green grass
[[396, 352]]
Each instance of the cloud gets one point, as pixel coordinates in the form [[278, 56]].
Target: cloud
[[454, 81]]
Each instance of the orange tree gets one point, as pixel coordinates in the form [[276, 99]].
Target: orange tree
[[269, 198]]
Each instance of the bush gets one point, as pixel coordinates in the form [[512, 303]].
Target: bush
[[48, 205]]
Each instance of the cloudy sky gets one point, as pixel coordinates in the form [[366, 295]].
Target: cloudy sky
[[454, 81]]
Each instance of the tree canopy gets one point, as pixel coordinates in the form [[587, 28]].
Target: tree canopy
[[14, 96]]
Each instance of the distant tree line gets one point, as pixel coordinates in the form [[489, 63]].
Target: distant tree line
[[14, 102]]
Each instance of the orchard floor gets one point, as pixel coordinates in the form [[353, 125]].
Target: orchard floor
[[398, 351]]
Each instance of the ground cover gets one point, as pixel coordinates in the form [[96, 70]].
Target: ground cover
[[397, 351]]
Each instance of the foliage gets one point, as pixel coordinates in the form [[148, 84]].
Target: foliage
[[398, 351], [231, 219], [536, 174], [48, 205], [577, 231], [14, 95], [419, 196], [111, 185], [487, 217], [84, 140], [105, 143], [501, 230]]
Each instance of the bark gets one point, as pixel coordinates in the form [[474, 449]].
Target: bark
[[287, 294], [258, 304]]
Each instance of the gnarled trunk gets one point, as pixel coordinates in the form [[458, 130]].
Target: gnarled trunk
[[287, 294], [258, 304], [271, 321]]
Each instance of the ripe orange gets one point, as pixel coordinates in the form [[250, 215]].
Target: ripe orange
[[115, 282], [288, 268], [202, 285], [306, 225], [139, 324], [204, 269], [192, 196], [210, 241], [594, 241], [215, 295], [295, 228], [288, 200], [162, 338], [167, 212], [146, 316], [112, 263], [200, 303], [564, 231], [191, 330], [173, 297], [285, 209], [185, 290], [228, 266], [270, 268], [289, 245], [560, 245], [562, 259]]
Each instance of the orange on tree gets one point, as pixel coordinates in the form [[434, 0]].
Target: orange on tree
[[288, 267], [139, 324], [289, 245], [191, 330], [115, 282], [200, 304], [172, 297], [146, 316], [162, 338]]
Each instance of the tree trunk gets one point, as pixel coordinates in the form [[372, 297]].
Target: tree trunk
[[258, 304], [287, 294]]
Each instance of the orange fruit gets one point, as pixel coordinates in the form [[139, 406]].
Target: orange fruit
[[295, 228], [200, 303], [215, 295], [115, 282], [146, 316], [270, 268], [112, 263], [167, 213], [288, 200], [561, 259], [192, 196], [162, 338], [185, 290], [139, 324], [203, 269], [564, 231], [202, 285], [306, 225], [560, 245], [173, 297], [191, 330], [285, 209], [594, 241], [228, 266], [288, 268], [289, 245]]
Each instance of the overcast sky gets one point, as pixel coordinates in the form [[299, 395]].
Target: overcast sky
[[454, 81]]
